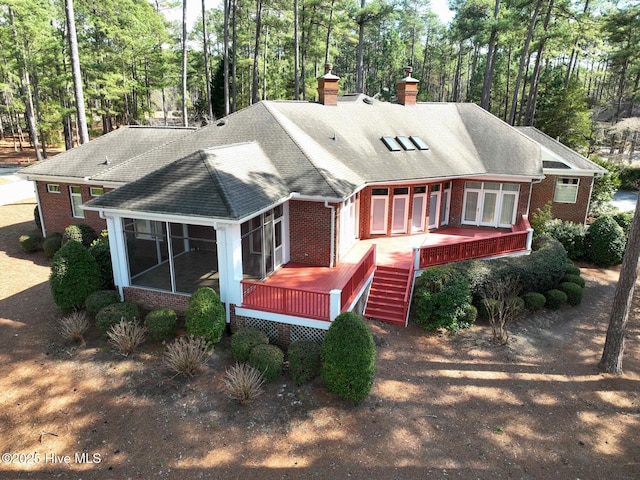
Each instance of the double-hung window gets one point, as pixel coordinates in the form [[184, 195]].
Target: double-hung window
[[566, 190], [76, 202]]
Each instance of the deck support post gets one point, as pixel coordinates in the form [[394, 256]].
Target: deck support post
[[335, 301], [416, 258]]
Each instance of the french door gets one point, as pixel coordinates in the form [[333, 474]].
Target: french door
[[490, 204]]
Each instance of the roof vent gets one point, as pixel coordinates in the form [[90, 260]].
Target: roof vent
[[106, 161]]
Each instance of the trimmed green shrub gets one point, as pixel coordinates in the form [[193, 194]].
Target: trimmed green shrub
[[96, 301], [31, 243], [74, 275], [113, 314], [268, 359], [440, 299], [572, 269], [605, 242], [52, 244], [485, 306], [304, 361], [624, 220], [161, 323], [570, 235], [348, 357], [573, 292], [243, 341], [577, 279], [205, 315], [555, 299], [534, 301], [102, 254], [80, 232]]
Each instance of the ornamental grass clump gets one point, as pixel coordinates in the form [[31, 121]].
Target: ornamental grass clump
[[305, 361], [244, 340], [348, 358], [187, 355], [268, 359], [243, 383], [126, 336], [74, 326]]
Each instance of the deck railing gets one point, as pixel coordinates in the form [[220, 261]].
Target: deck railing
[[518, 240], [308, 303]]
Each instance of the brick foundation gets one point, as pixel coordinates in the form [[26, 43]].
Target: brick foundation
[[151, 299]]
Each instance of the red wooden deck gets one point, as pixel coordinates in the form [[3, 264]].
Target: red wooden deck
[[304, 290]]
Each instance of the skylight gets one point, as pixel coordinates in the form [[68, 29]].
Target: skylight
[[391, 144], [404, 141], [418, 142]]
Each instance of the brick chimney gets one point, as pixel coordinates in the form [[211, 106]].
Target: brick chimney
[[328, 87], [407, 88]]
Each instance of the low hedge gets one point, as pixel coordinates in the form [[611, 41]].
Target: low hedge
[[100, 299], [304, 361], [269, 359], [573, 292], [161, 323], [244, 340], [113, 314], [555, 299]]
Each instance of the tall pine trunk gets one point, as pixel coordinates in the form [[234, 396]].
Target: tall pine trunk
[[256, 54], [485, 99], [83, 132], [185, 117], [207, 75]]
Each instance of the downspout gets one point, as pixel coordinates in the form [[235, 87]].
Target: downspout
[[333, 232], [536, 182]]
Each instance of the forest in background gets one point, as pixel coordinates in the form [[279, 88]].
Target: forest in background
[[570, 68]]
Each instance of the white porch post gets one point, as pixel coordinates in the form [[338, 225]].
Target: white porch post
[[334, 303], [230, 263], [416, 258], [118, 250]]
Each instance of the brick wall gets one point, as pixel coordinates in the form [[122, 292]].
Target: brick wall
[[151, 299], [56, 208], [572, 212], [310, 232]]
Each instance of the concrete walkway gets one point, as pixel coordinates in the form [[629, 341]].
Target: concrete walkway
[[13, 188]]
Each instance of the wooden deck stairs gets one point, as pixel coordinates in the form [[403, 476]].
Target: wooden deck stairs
[[388, 299]]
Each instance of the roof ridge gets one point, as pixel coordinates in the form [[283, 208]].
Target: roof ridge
[[213, 173]]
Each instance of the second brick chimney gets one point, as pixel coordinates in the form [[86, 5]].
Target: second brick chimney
[[328, 87], [407, 88]]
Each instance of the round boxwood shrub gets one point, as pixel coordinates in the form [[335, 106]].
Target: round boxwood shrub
[[268, 359], [74, 275], [205, 315], [80, 232], [304, 361], [161, 323], [605, 242], [555, 299], [573, 292], [100, 251], [572, 269], [244, 340], [31, 243], [348, 357], [577, 279], [534, 301], [96, 301], [52, 244], [112, 315]]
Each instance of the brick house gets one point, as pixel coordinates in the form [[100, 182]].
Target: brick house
[[296, 211]]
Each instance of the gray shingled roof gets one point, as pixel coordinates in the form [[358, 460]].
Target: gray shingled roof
[[106, 152], [573, 158], [275, 148]]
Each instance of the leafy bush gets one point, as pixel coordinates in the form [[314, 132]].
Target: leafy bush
[[102, 255], [555, 299], [96, 301], [80, 232], [440, 298], [573, 292], [604, 187], [74, 326], [31, 243], [113, 314], [605, 242], [577, 279], [485, 307], [469, 315], [348, 357], [304, 361], [205, 315], [74, 275], [161, 323], [268, 359], [186, 355], [629, 178], [624, 220], [570, 235], [540, 218], [534, 301], [52, 244], [243, 383], [572, 269], [243, 341], [126, 337]]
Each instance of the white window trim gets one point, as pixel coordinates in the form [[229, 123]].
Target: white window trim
[[501, 193], [93, 189], [566, 187], [53, 188], [74, 207]]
